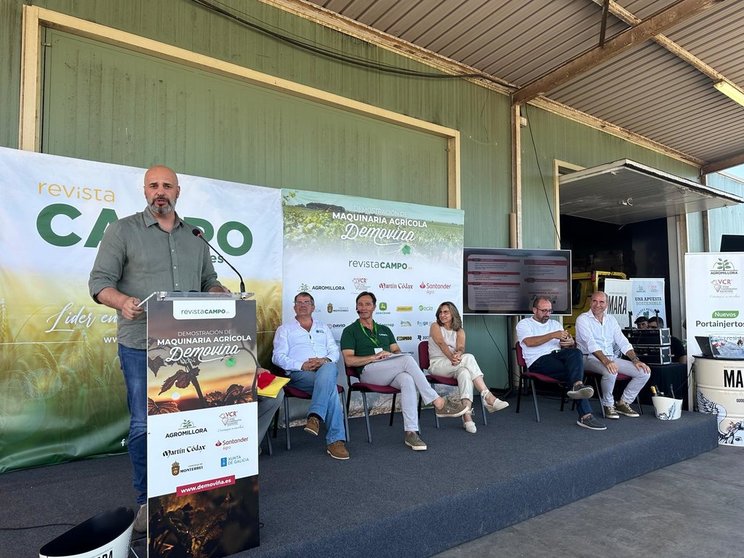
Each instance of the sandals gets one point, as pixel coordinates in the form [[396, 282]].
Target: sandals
[[497, 405]]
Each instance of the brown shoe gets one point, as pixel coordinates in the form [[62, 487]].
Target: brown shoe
[[312, 426], [337, 450]]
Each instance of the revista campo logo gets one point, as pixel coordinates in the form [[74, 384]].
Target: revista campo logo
[[726, 314]]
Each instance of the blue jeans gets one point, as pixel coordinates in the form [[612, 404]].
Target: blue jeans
[[566, 365], [134, 366], [325, 403]]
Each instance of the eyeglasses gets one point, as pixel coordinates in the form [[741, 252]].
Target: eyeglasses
[[548, 310], [303, 302]]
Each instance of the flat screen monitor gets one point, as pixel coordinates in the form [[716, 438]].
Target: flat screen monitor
[[504, 281], [732, 243]]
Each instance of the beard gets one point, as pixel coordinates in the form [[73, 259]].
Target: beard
[[162, 210]]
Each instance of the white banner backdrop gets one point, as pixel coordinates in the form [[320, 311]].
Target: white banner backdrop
[[409, 256], [60, 383], [715, 315]]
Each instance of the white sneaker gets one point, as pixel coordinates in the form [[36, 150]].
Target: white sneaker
[[470, 427]]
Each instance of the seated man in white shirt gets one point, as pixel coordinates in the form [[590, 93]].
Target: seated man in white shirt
[[549, 349], [597, 335], [306, 350]]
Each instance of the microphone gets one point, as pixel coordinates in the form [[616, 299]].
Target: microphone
[[197, 232]]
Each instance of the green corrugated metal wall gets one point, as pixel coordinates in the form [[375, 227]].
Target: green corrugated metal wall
[[107, 104], [115, 105]]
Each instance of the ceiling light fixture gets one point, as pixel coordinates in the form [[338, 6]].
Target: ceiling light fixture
[[730, 90]]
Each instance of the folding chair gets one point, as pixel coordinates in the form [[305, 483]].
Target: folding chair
[[526, 376], [297, 393], [355, 384]]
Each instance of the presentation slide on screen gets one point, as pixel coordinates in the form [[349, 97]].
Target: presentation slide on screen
[[505, 281]]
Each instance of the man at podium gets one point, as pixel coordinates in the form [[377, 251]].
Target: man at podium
[[153, 250]]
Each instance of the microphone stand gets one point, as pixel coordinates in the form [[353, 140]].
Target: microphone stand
[[197, 232]]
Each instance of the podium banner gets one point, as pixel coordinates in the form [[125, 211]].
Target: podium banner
[[202, 446]]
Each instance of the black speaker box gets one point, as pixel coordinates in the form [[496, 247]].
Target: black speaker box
[[655, 337]]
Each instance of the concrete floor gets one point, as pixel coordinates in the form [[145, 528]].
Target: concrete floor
[[689, 509]]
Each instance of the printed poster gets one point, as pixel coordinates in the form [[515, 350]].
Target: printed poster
[[202, 446], [408, 255], [628, 299], [648, 299]]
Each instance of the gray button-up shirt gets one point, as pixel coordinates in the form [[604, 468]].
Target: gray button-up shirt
[[136, 257]]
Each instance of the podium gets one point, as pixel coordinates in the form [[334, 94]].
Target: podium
[[202, 446]]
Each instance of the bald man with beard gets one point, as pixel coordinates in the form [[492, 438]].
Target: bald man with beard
[[153, 250]]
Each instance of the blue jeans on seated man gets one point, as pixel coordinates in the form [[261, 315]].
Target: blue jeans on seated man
[[325, 402], [134, 367], [567, 366]]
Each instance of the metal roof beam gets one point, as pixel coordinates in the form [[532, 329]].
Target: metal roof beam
[[723, 164], [662, 40], [647, 29]]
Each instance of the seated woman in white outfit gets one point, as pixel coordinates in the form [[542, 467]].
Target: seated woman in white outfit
[[448, 358]]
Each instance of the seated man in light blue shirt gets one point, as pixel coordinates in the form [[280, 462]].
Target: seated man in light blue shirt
[[307, 352]]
